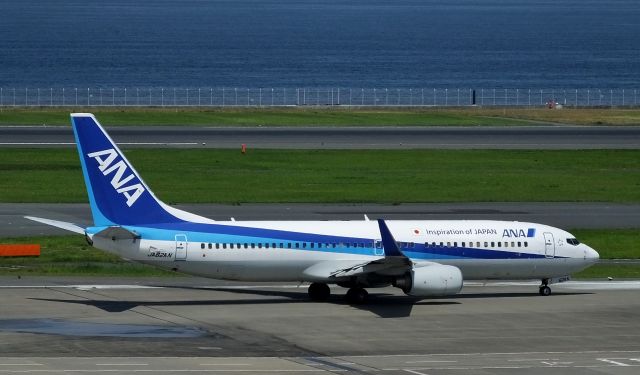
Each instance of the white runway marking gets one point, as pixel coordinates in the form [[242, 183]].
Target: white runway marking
[[415, 372], [21, 364], [613, 362], [122, 364]]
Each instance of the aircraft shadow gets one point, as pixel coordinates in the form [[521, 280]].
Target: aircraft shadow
[[381, 304]]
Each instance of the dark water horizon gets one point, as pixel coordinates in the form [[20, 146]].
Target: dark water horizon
[[280, 43]]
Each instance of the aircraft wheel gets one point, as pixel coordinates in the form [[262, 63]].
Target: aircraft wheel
[[357, 296], [319, 291], [545, 290]]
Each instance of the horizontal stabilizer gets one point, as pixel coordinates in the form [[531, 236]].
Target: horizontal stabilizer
[[58, 224]]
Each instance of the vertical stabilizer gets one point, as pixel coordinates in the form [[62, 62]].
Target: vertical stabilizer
[[117, 194]]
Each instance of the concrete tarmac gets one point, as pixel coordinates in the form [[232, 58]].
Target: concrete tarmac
[[562, 215], [392, 137], [179, 325]]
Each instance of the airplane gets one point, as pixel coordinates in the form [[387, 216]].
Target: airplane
[[423, 258]]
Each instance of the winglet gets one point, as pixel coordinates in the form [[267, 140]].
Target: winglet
[[391, 248]]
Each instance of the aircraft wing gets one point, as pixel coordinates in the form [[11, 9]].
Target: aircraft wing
[[58, 224], [393, 260]]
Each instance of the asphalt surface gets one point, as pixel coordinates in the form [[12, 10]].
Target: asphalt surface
[[562, 215], [514, 137], [180, 325]]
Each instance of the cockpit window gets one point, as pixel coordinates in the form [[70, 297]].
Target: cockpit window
[[573, 241]]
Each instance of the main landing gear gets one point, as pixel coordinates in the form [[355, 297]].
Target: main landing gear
[[544, 288], [357, 295], [320, 292]]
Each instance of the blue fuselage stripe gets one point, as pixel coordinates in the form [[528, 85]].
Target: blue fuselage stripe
[[219, 233]]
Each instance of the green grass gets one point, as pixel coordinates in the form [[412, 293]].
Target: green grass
[[611, 243], [337, 176], [70, 255], [603, 271], [331, 116], [255, 117]]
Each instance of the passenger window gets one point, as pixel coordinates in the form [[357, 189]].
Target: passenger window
[[202, 245], [253, 245], [266, 245], [297, 245], [304, 245], [455, 244], [499, 244], [513, 244], [448, 244], [477, 244], [486, 244], [224, 245], [273, 245], [493, 244], [312, 245], [526, 244], [288, 245], [463, 244], [441, 244], [246, 245], [259, 245], [519, 244], [281, 245], [217, 246]]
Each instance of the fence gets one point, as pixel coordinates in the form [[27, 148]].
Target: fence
[[266, 97]]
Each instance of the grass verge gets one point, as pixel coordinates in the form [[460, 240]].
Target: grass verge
[[339, 176], [467, 116], [71, 255], [605, 271]]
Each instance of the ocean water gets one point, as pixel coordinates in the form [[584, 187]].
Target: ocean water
[[327, 43]]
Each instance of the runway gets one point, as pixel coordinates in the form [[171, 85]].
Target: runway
[[391, 137], [180, 325], [562, 215]]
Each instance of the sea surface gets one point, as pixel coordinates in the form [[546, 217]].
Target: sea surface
[[328, 43]]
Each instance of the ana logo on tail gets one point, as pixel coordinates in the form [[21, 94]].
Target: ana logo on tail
[[105, 159]]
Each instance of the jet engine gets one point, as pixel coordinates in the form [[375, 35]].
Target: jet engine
[[433, 280]]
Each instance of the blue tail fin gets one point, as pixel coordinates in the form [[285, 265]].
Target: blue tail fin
[[117, 194]]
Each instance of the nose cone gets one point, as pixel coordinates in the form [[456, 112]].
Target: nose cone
[[590, 254]]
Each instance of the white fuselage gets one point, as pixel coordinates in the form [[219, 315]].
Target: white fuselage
[[283, 250]]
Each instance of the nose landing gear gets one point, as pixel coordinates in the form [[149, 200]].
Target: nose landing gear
[[544, 288]]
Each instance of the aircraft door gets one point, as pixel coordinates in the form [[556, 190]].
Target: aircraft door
[[549, 245], [181, 247], [377, 247]]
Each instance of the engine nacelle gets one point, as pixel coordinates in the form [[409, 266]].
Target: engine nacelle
[[434, 280]]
